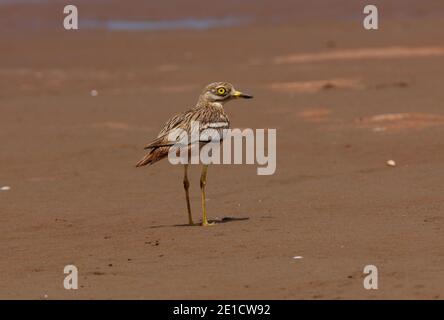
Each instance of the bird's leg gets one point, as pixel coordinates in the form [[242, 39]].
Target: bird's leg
[[186, 185], [203, 182]]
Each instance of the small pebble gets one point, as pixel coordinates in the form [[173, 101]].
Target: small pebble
[[5, 188], [94, 93], [391, 163], [297, 257]]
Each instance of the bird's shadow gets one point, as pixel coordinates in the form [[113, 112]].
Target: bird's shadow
[[215, 221]]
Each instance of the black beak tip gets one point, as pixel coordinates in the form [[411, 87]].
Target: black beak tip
[[247, 96]]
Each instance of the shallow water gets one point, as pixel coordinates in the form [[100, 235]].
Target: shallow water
[[151, 25]]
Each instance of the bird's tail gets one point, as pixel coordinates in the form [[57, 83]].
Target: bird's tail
[[152, 157], [147, 159]]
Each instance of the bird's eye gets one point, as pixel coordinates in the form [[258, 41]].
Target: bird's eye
[[221, 91]]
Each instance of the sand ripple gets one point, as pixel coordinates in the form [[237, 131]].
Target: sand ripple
[[316, 85], [361, 54], [401, 121]]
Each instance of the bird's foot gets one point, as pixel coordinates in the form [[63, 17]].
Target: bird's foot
[[191, 223], [205, 223]]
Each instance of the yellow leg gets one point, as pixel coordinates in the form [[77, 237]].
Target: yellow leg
[[186, 185], [203, 182]]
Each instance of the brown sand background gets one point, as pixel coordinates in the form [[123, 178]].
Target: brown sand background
[[343, 101]]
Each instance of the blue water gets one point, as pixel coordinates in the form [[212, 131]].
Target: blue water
[[150, 25]]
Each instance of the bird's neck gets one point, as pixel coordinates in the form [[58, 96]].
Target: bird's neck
[[216, 104], [211, 104]]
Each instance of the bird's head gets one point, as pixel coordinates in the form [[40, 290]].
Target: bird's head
[[221, 92]]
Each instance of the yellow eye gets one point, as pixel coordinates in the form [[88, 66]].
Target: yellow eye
[[221, 91]]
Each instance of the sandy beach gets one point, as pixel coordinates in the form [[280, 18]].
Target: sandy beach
[[77, 107]]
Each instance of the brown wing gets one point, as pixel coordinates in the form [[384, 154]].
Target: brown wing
[[160, 146], [211, 120]]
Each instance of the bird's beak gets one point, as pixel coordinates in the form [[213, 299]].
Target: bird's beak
[[238, 94]]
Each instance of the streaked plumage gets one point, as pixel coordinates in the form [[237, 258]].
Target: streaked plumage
[[209, 116], [209, 112]]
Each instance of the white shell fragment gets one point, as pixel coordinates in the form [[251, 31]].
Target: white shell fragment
[[297, 257], [391, 163], [94, 93], [5, 188]]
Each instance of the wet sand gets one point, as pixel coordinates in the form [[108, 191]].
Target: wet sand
[[344, 101]]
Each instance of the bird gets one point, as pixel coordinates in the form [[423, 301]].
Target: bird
[[209, 112]]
